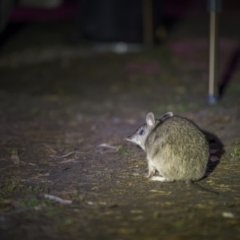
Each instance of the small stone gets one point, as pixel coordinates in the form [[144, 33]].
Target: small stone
[[227, 215]]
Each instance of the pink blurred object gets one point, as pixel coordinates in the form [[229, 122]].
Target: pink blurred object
[[214, 159], [67, 11]]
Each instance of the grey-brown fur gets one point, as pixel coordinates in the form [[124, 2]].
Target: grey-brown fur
[[175, 148]]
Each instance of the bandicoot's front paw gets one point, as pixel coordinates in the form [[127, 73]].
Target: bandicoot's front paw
[[151, 172], [161, 179]]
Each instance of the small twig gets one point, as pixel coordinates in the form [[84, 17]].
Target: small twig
[[63, 156], [106, 145], [68, 160], [57, 199]]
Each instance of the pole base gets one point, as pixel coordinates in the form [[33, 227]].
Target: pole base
[[212, 99]]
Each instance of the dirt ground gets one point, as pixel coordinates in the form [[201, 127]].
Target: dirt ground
[[66, 171]]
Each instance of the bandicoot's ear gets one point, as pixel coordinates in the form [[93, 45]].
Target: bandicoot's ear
[[150, 120], [166, 116]]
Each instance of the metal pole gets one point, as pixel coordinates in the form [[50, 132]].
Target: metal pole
[[212, 58], [214, 7]]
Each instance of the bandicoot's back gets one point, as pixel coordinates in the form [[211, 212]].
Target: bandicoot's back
[[178, 149]]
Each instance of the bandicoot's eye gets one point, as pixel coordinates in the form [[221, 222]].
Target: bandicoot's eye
[[141, 132]]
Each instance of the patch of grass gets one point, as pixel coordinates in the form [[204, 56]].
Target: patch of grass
[[8, 189], [36, 203], [177, 226], [11, 190], [236, 152], [70, 148], [35, 111], [14, 151], [67, 222], [109, 176], [122, 150], [156, 215], [30, 203], [35, 189], [52, 210]]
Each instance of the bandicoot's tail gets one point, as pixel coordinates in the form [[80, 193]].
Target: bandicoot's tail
[[200, 187]]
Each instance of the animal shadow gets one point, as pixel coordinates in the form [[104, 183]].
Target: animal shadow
[[216, 149]]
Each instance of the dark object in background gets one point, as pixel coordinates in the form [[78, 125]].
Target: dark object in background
[[5, 10], [229, 71], [115, 20]]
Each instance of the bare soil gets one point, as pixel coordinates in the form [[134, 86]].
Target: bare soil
[[64, 113]]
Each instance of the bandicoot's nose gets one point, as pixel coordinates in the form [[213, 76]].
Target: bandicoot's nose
[[128, 139]]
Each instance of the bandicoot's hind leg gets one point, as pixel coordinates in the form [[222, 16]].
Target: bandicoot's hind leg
[[151, 170], [160, 179]]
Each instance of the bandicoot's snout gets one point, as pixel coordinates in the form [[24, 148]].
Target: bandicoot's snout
[[128, 139]]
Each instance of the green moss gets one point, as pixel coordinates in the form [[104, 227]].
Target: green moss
[[14, 151], [122, 150], [30, 203], [236, 152]]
